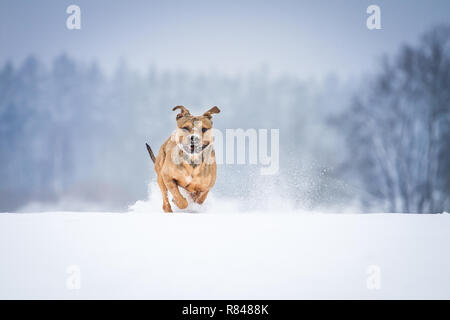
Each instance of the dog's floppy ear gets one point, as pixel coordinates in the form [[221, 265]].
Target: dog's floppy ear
[[211, 111], [183, 111]]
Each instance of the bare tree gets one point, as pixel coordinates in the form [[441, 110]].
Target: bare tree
[[398, 128]]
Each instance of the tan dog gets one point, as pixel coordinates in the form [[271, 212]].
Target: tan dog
[[187, 159]]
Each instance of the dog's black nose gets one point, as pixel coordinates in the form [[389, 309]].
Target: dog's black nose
[[195, 139]]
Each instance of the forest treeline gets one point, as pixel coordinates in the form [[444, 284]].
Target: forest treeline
[[69, 130]]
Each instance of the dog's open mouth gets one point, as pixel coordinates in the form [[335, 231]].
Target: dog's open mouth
[[195, 148]]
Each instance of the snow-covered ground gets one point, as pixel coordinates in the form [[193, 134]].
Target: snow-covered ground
[[228, 255]]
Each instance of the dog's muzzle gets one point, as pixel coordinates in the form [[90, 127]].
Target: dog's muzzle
[[194, 145], [194, 139]]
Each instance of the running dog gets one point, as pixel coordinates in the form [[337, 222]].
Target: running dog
[[187, 159]]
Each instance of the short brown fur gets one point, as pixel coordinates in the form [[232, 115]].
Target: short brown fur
[[180, 163]]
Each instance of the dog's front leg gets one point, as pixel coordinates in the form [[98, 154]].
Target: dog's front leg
[[178, 198], [201, 197], [162, 186]]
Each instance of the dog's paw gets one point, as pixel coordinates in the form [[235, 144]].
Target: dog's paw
[[167, 207], [181, 203], [195, 195], [200, 200], [201, 197]]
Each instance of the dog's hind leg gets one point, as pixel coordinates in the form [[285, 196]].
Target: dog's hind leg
[[178, 198], [162, 186]]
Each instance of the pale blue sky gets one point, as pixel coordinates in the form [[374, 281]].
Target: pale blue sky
[[304, 38]]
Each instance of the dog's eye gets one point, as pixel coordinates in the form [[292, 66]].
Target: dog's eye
[[186, 128], [204, 130]]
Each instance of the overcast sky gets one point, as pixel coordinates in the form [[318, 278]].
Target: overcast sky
[[304, 38]]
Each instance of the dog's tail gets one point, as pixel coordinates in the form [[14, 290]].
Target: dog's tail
[[150, 152]]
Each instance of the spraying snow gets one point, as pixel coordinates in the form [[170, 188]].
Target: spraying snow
[[263, 199], [153, 204]]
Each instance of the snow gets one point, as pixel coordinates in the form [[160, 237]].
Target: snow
[[268, 200], [266, 255]]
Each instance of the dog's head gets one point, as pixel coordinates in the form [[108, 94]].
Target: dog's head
[[194, 133]]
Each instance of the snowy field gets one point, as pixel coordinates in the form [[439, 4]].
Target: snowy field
[[224, 256]]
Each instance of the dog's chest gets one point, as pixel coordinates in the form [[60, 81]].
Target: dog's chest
[[195, 179], [188, 179]]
